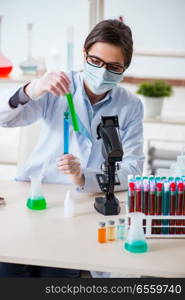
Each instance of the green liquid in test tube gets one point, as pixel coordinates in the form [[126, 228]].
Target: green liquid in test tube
[[74, 116]]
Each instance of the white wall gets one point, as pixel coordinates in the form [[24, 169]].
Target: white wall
[[51, 19], [156, 24]]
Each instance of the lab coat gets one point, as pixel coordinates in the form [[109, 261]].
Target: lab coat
[[84, 144]]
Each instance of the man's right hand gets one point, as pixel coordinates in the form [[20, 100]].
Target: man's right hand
[[56, 83]]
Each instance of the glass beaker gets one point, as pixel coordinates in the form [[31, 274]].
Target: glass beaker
[[135, 241], [36, 201], [29, 66], [5, 63]]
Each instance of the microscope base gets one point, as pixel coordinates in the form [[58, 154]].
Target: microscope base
[[107, 207]]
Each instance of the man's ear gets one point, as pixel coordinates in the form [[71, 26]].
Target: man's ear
[[84, 54]]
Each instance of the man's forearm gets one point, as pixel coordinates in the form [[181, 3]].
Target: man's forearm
[[20, 97]]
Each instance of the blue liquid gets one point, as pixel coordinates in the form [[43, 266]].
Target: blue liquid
[[30, 70], [66, 133], [136, 247], [120, 232]]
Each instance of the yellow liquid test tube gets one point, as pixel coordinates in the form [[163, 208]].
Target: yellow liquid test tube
[[111, 231]]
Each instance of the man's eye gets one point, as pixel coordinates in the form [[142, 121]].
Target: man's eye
[[95, 61], [116, 68]]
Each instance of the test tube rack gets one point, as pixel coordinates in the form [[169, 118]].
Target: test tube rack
[[149, 227], [162, 202]]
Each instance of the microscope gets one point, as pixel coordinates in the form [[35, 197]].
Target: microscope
[[108, 130]]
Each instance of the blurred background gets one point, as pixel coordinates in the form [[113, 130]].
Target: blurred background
[[42, 35]]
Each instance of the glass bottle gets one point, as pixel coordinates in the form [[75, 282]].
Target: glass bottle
[[29, 66], [102, 233], [121, 230], [5, 64], [111, 231]]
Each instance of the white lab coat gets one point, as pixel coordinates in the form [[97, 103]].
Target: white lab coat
[[84, 145]]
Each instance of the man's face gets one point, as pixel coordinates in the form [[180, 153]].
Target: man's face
[[108, 53]]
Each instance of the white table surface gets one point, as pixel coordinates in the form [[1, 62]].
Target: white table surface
[[46, 238]]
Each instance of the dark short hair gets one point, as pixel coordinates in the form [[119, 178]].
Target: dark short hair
[[112, 32]]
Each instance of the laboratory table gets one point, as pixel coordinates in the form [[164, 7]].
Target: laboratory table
[[46, 238]]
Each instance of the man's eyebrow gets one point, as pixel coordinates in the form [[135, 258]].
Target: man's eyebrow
[[111, 62], [115, 63]]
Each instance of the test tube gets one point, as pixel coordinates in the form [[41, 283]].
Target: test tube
[[151, 178], [66, 132], [171, 179], [179, 210], [74, 117], [145, 196], [138, 177], [172, 205], [111, 231], [131, 196], [177, 179], [102, 232], [157, 179], [166, 206], [70, 48], [159, 205], [121, 229], [152, 201], [145, 207], [138, 189], [163, 179]]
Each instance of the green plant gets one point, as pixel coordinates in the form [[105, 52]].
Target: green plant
[[158, 88]]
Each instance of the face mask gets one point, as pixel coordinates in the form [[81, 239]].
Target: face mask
[[99, 80]]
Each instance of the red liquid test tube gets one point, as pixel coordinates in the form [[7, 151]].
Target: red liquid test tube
[[145, 207], [159, 206], [131, 197], [172, 206], [138, 196], [179, 210], [152, 203]]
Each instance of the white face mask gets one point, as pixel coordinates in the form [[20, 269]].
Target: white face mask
[[100, 80]]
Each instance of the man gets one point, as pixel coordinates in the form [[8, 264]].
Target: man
[[107, 54]]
